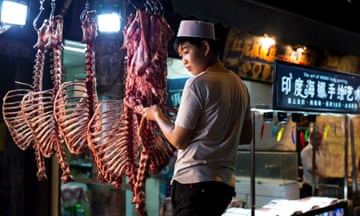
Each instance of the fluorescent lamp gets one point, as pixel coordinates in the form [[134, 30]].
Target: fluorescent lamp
[[109, 22], [13, 12], [74, 46], [74, 49]]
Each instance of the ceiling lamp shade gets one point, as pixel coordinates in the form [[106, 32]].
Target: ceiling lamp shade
[[13, 13]]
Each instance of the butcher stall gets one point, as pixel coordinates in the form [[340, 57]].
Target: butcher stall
[[303, 98]]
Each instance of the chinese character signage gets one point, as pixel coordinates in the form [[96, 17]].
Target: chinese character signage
[[304, 88], [296, 54], [248, 56]]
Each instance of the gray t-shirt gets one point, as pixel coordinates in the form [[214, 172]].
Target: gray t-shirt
[[215, 104]]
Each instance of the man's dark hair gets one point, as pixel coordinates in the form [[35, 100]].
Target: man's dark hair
[[214, 45]]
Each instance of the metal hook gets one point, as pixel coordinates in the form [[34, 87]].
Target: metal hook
[[158, 6], [147, 6], [154, 6], [53, 5], [41, 9], [83, 12]]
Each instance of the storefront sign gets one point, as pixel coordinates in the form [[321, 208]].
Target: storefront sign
[[303, 88], [246, 55]]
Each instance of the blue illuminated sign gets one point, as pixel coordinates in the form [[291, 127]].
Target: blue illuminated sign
[[304, 88]]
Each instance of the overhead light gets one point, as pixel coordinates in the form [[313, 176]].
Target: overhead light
[[109, 22], [13, 13], [108, 16]]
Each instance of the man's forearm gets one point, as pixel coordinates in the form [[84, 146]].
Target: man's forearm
[[166, 126]]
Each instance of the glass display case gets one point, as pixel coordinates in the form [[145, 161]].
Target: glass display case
[[274, 165], [276, 176]]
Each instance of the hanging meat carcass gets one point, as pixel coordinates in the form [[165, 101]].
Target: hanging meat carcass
[[120, 139], [108, 138], [76, 101], [38, 106], [18, 128], [145, 38], [28, 113]]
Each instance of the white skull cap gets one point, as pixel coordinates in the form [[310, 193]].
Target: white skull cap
[[197, 29]]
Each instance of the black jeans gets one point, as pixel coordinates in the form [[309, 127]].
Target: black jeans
[[201, 199]]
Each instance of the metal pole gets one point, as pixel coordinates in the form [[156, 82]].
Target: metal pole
[[313, 166], [252, 169], [353, 159], [346, 158]]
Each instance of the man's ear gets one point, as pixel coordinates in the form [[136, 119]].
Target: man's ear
[[206, 46]]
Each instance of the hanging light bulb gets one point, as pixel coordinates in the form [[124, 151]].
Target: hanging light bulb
[[13, 13]]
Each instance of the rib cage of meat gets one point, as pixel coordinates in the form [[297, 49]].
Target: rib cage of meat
[[18, 128], [36, 105], [108, 140], [123, 143], [76, 100], [72, 114]]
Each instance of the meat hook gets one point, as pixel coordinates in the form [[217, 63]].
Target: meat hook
[[53, 5], [154, 6], [41, 9], [83, 12]]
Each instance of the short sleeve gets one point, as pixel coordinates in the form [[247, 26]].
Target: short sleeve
[[190, 108]]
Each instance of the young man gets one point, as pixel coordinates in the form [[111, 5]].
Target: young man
[[213, 119]]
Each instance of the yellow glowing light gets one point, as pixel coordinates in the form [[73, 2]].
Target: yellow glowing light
[[267, 42], [280, 134], [326, 131], [300, 49]]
